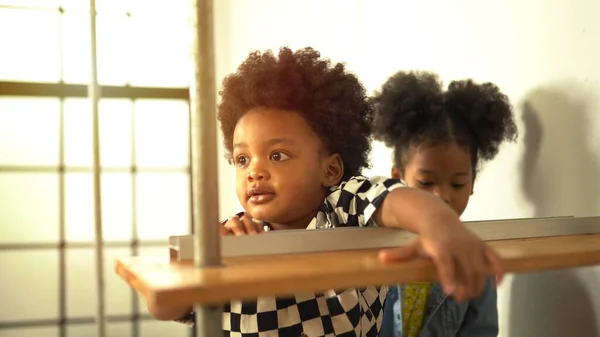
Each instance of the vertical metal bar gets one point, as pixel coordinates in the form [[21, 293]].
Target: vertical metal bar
[[62, 235], [134, 244], [194, 329], [189, 168], [94, 95], [204, 158], [62, 267]]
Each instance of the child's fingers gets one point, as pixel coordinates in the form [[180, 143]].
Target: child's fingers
[[444, 264], [446, 271], [223, 230], [466, 276], [478, 276], [250, 226], [495, 262], [400, 254], [235, 225], [459, 292], [473, 270]]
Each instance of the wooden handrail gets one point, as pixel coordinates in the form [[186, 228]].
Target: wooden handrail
[[180, 283]]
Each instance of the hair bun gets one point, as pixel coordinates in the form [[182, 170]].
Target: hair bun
[[486, 113], [409, 103]]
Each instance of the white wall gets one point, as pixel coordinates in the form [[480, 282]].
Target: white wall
[[545, 54]]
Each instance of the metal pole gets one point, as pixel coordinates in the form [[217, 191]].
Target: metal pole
[[94, 96], [204, 158]]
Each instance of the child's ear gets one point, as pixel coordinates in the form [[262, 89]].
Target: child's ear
[[396, 174], [334, 170]]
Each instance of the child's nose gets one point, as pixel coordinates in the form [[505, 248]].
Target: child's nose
[[257, 170], [258, 175], [443, 193]]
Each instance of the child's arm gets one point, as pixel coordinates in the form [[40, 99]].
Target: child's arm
[[168, 313], [461, 258]]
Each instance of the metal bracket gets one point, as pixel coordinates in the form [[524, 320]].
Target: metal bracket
[[340, 239]]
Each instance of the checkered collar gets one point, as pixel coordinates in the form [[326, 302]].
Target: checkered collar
[[320, 221], [323, 219]]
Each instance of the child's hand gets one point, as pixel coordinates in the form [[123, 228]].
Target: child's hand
[[241, 226], [462, 260], [167, 313]]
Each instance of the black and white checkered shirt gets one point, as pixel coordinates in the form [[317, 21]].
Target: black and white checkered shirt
[[350, 312]]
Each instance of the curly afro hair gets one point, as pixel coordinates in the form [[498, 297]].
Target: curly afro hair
[[333, 101], [412, 108]]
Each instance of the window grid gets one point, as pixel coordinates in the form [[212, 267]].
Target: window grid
[[79, 245], [87, 169], [28, 8], [63, 320], [77, 320], [62, 91]]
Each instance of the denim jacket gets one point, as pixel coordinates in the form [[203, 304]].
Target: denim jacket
[[444, 317]]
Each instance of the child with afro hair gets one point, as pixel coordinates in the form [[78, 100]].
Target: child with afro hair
[[440, 139], [297, 128]]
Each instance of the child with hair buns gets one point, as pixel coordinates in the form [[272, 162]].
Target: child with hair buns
[[440, 139]]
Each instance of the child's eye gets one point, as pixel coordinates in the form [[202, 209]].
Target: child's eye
[[279, 156], [241, 160], [458, 186], [425, 183]]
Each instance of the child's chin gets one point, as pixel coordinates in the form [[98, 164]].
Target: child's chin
[[262, 213]]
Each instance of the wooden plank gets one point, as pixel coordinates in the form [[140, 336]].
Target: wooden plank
[[179, 283], [353, 238]]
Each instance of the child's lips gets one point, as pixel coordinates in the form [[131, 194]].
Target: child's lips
[[258, 190], [261, 198]]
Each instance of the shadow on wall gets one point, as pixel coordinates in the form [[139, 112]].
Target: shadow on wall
[[552, 304], [560, 177], [560, 171]]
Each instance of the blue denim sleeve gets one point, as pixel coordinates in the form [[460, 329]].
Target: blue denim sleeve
[[481, 318], [392, 324]]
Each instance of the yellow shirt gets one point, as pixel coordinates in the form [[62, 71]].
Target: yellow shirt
[[413, 307]]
